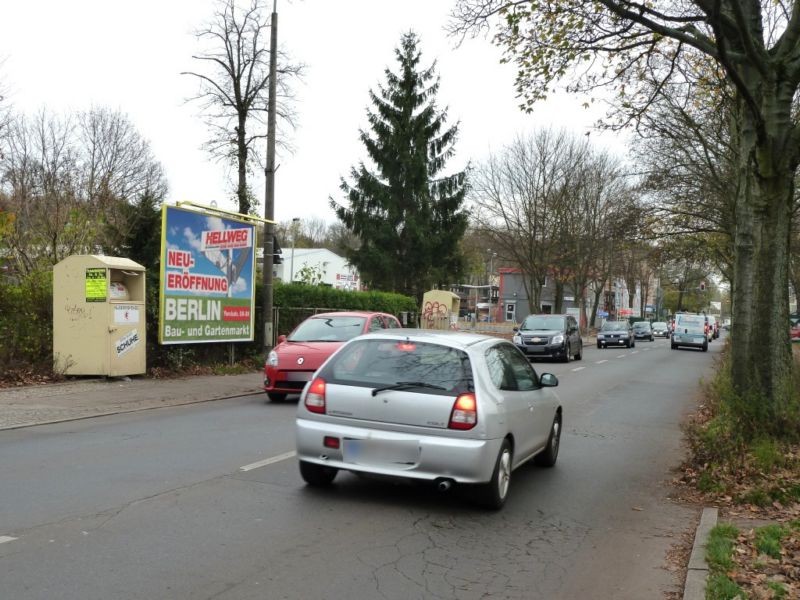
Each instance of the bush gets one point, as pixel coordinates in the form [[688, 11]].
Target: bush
[[26, 323]]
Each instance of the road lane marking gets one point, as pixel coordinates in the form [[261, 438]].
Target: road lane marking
[[268, 461], [578, 368], [635, 352], [622, 356], [6, 538], [600, 362]]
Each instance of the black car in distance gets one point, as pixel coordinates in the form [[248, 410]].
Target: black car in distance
[[616, 333], [642, 330]]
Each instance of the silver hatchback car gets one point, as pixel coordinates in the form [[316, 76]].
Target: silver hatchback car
[[437, 406]]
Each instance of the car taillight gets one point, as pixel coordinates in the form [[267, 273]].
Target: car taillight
[[315, 397], [465, 412]]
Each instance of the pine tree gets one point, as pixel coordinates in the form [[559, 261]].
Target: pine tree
[[408, 218]]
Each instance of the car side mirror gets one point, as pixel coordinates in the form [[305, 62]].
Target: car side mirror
[[548, 380], [281, 338]]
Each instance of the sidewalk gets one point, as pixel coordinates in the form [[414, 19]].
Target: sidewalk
[[85, 398]]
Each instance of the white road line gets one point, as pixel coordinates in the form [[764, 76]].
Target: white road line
[[600, 362], [6, 538], [622, 356], [578, 368], [635, 352], [268, 461]]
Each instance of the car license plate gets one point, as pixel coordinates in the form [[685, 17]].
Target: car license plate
[[395, 453], [299, 376]]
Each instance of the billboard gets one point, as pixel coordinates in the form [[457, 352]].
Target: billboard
[[207, 278]]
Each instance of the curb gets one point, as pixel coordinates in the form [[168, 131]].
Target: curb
[[131, 410], [697, 571]]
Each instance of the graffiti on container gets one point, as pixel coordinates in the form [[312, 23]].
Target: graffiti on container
[[433, 311]]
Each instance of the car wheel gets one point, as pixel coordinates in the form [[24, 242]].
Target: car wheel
[[548, 456], [317, 475], [705, 347], [673, 346], [493, 494], [652, 338], [275, 397], [599, 346], [579, 355], [567, 354]]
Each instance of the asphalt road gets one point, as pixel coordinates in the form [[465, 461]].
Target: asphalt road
[[204, 501]]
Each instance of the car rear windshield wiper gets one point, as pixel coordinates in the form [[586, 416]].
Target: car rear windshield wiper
[[401, 385]]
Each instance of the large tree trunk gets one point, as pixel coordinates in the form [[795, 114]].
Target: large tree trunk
[[761, 350]]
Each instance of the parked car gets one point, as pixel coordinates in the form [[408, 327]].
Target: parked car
[[428, 406], [549, 336], [290, 365], [713, 324], [642, 330], [690, 330], [616, 333], [661, 329]]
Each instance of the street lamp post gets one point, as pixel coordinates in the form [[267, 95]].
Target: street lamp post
[[491, 269], [294, 235]]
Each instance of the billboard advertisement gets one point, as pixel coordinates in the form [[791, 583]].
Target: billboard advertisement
[[207, 278]]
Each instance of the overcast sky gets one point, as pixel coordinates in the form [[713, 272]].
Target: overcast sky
[[71, 55]]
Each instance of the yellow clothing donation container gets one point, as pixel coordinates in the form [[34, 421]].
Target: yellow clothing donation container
[[99, 316]]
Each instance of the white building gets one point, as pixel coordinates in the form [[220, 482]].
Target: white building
[[314, 265]]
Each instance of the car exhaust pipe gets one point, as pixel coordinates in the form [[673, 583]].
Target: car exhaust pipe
[[444, 484]]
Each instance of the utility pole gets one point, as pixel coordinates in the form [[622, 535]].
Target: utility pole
[[295, 221], [269, 193]]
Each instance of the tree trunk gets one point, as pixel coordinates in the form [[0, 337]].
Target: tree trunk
[[558, 304], [241, 159], [761, 349]]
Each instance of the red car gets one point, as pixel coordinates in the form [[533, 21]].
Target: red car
[[293, 361]]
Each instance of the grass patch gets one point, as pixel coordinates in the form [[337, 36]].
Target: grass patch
[[778, 590], [721, 587], [719, 547], [767, 454]]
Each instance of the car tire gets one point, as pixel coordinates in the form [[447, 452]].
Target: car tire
[[548, 456], [673, 346], [317, 475], [494, 493], [579, 355], [652, 338], [276, 397], [567, 354], [705, 347], [599, 346]]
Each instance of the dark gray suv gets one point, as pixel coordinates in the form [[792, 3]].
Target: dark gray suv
[[549, 336]]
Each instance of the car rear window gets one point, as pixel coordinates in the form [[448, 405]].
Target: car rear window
[[328, 329], [687, 320], [388, 362]]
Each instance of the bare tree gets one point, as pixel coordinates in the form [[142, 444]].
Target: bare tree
[[234, 83], [65, 179]]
